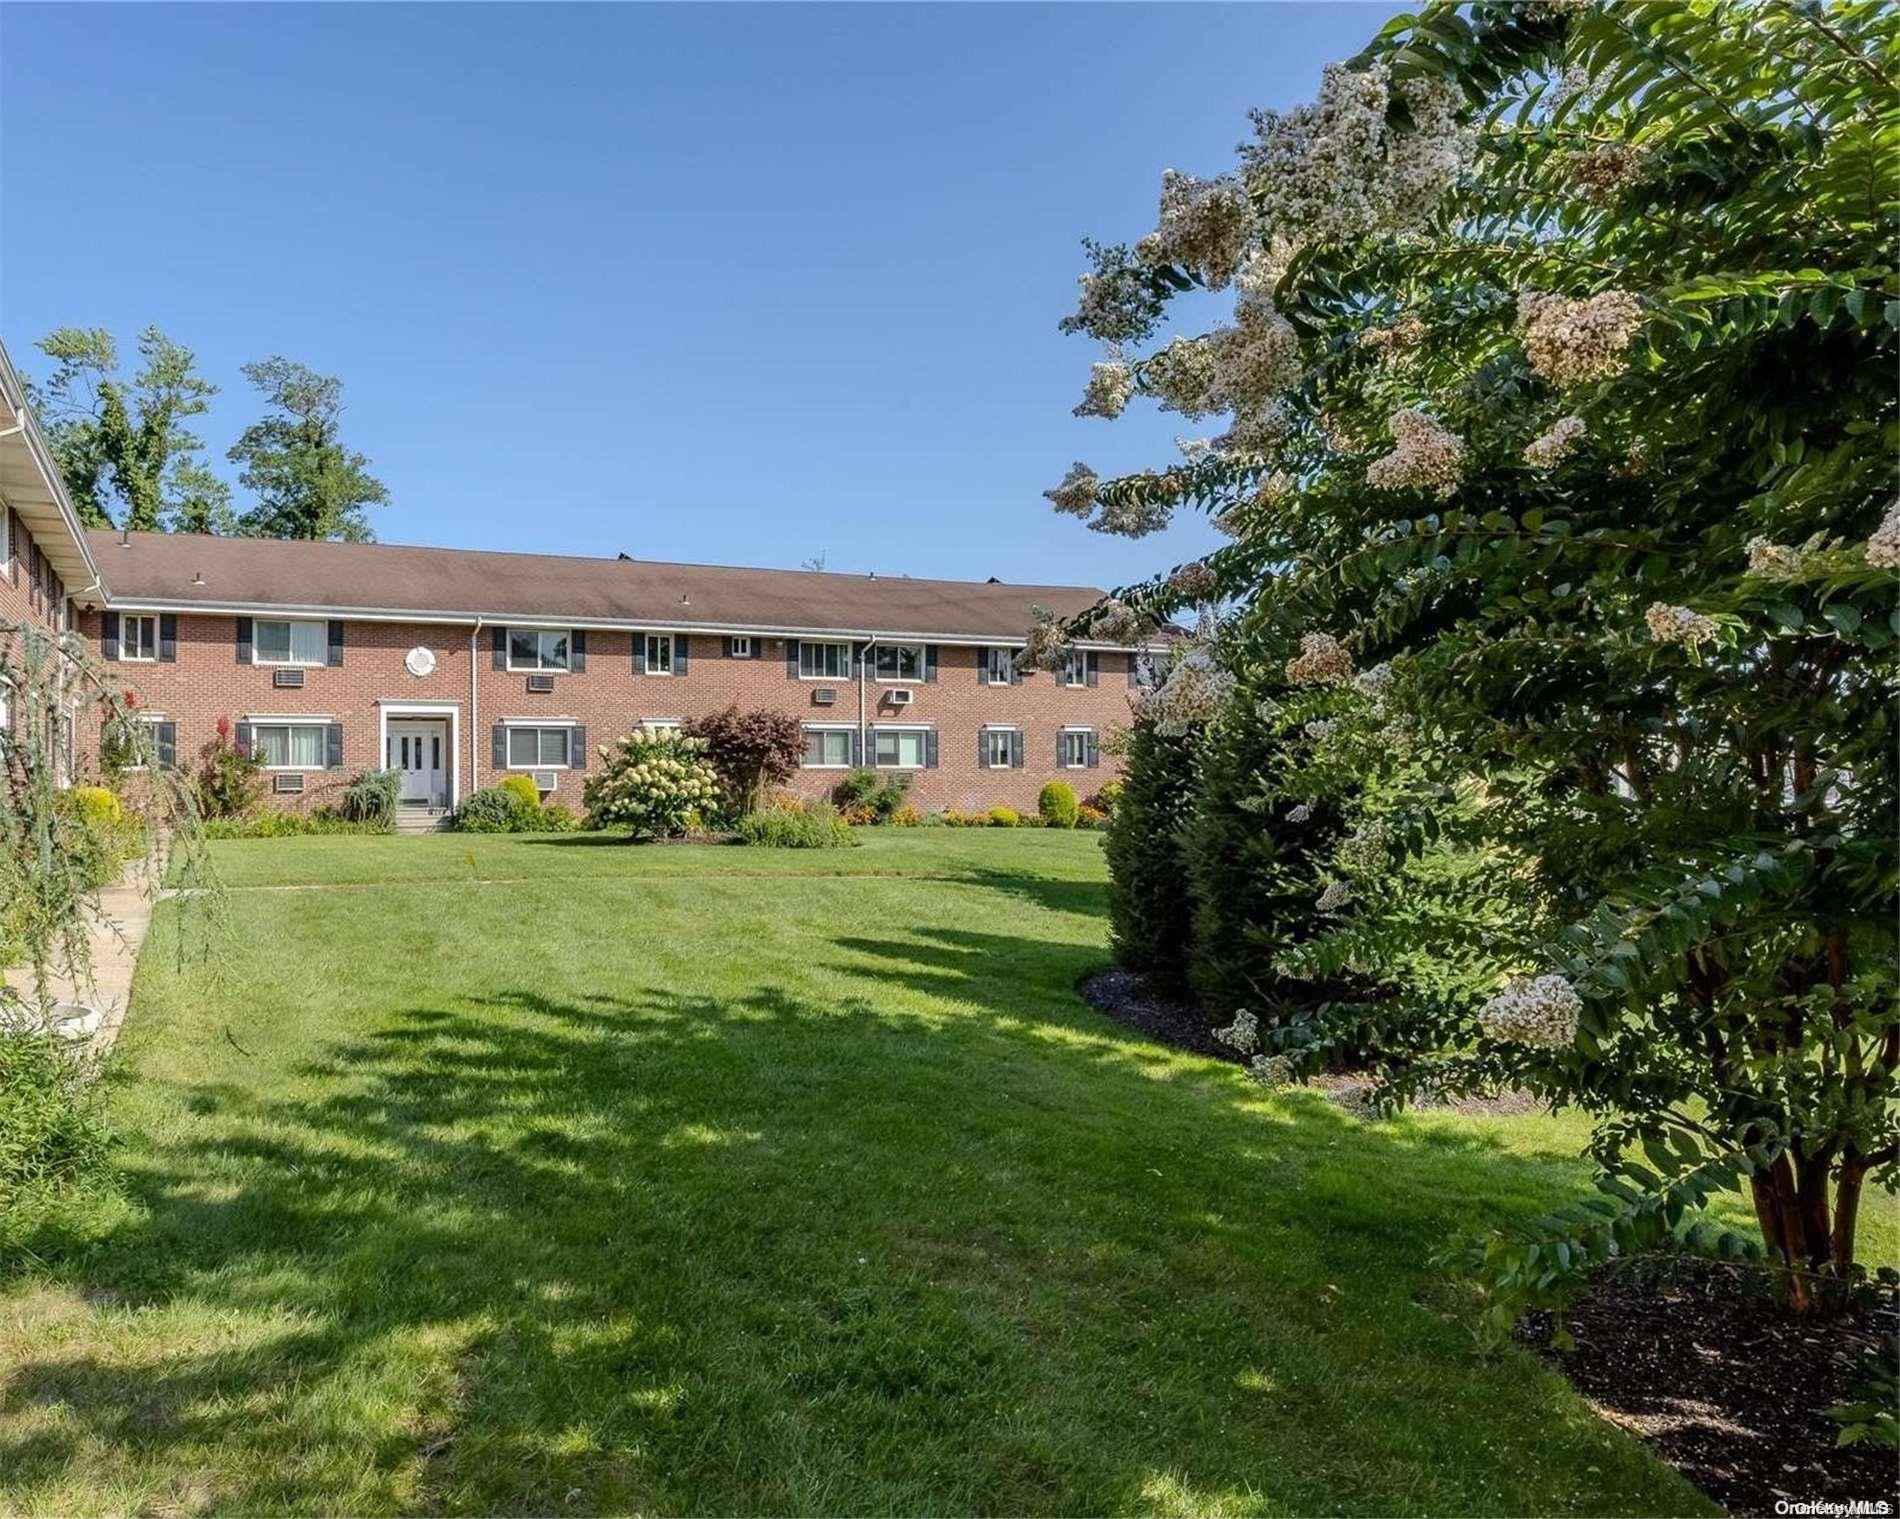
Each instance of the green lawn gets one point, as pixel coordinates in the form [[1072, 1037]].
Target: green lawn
[[509, 1175]]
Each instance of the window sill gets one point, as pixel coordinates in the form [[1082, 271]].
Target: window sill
[[289, 664], [538, 767]]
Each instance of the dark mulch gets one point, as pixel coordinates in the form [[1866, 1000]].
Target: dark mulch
[[1131, 1002], [1724, 1385]]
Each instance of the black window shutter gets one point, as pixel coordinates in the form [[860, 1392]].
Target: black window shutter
[[244, 640], [639, 654], [681, 647], [1015, 672], [1095, 667], [982, 748], [241, 736], [1134, 669], [857, 747], [577, 747], [930, 749], [498, 642], [498, 746], [109, 635], [336, 641], [930, 663], [859, 653], [333, 746], [168, 638], [982, 667], [791, 659], [1095, 753], [1061, 739], [1016, 750], [577, 651], [165, 742], [13, 544]]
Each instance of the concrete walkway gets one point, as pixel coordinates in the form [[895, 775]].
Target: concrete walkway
[[114, 937]]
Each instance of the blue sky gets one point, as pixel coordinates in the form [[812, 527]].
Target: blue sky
[[716, 283]]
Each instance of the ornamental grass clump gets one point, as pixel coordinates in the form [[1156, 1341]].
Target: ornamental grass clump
[[654, 785]]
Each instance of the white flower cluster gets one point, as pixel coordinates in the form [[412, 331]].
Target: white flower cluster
[[1605, 171], [1334, 170], [1883, 549], [1111, 383], [1775, 561], [1194, 580], [1256, 358], [1551, 448], [1401, 337], [1116, 622], [1044, 645], [1136, 513], [1673, 624], [1243, 1034], [1364, 850], [1424, 456], [1374, 684], [1322, 661], [1075, 496], [1271, 1071], [1300, 814], [1569, 342], [1320, 729], [1540, 1012], [1257, 431], [1204, 226], [1191, 694], [1181, 377], [1336, 895]]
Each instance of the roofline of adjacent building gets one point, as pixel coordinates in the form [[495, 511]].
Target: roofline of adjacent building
[[26, 427]]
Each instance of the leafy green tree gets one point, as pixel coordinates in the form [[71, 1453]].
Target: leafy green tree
[[1559, 398], [123, 447], [308, 485]]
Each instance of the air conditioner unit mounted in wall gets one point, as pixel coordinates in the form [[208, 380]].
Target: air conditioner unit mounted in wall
[[289, 783], [541, 683], [824, 696], [544, 780], [901, 697], [287, 680]]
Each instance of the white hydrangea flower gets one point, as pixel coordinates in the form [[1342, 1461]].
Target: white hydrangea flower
[[1541, 1013], [1569, 342], [1552, 447], [1300, 814], [1425, 456], [1243, 1034], [1883, 549], [1111, 383], [1673, 624], [1322, 661], [1255, 359], [1271, 1071], [1336, 895], [1204, 226]]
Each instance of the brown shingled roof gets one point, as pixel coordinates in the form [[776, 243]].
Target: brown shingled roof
[[153, 569]]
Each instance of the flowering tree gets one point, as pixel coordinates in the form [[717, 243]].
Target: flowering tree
[[656, 785], [1557, 459]]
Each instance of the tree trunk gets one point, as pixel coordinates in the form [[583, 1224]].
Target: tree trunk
[[1778, 1208], [1846, 1211]]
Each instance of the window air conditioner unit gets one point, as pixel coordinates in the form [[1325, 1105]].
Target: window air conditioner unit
[[824, 696], [287, 783], [901, 697], [544, 779], [542, 683], [287, 680]]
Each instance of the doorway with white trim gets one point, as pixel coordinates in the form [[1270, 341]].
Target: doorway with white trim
[[417, 748]]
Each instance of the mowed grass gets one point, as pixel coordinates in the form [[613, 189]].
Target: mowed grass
[[521, 1176]]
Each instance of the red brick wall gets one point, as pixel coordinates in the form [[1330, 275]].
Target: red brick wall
[[24, 580], [205, 683]]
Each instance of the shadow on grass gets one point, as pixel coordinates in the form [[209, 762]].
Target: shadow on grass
[[531, 1253]]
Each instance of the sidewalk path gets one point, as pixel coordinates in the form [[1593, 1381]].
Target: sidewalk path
[[114, 938]]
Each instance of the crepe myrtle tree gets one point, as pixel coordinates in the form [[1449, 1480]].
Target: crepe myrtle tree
[[1558, 406]]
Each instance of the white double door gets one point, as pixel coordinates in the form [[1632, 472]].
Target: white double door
[[420, 751]]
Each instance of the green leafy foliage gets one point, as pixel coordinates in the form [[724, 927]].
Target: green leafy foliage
[[1149, 902], [1057, 805], [811, 825], [655, 785]]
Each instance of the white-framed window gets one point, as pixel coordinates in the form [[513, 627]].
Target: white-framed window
[[532, 748], [999, 748], [657, 725], [999, 666], [827, 749], [138, 638], [824, 661], [739, 646], [899, 748], [898, 661], [1075, 745], [279, 642], [540, 649], [289, 746], [1075, 668], [659, 653]]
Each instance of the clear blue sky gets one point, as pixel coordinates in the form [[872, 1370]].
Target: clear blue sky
[[716, 283]]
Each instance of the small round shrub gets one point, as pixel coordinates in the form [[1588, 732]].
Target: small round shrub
[[522, 786], [1003, 817], [1108, 798], [558, 819], [95, 806], [1056, 806], [906, 816], [1090, 817], [493, 809]]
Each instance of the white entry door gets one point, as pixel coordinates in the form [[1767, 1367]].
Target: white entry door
[[420, 751]]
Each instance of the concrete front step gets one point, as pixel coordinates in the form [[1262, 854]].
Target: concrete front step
[[421, 819]]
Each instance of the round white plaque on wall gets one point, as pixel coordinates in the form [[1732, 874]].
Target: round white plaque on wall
[[419, 661]]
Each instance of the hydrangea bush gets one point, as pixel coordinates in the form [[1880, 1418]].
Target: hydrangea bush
[[1560, 394], [655, 785]]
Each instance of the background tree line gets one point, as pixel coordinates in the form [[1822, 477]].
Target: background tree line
[[130, 459]]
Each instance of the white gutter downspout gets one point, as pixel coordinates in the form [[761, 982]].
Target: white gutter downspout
[[474, 706], [870, 646]]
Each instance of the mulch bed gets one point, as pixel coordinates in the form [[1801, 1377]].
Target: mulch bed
[[1131, 1002], [1724, 1385]]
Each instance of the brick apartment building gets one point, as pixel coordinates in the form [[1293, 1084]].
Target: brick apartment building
[[459, 667]]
